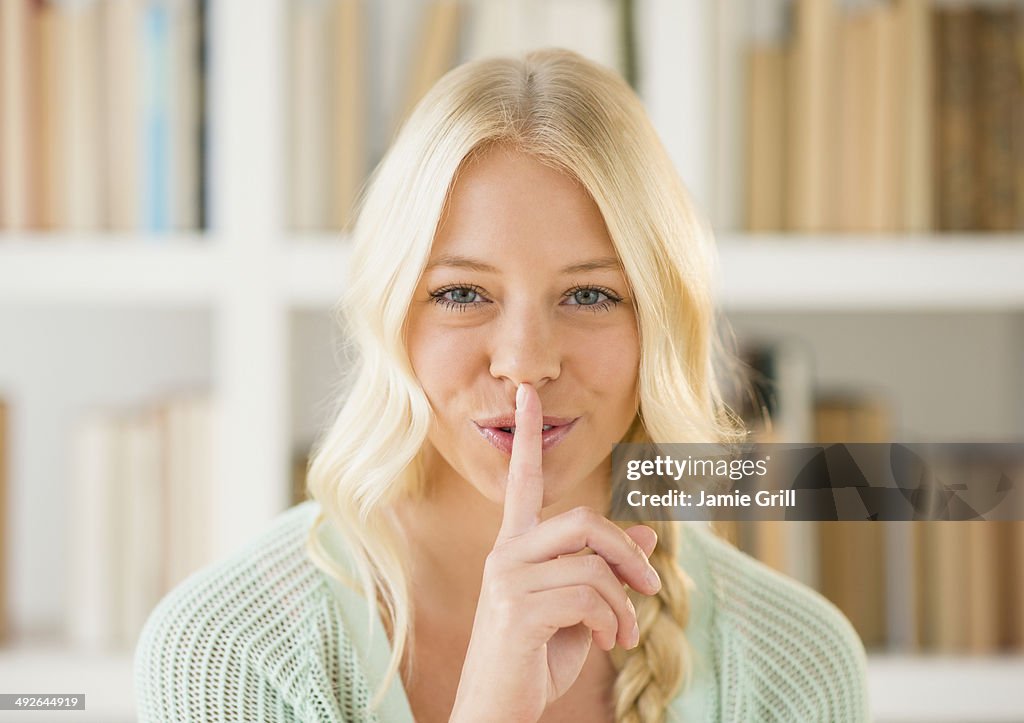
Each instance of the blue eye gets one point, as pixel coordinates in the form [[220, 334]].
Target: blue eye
[[588, 298], [461, 297]]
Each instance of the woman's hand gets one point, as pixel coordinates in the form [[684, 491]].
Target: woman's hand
[[538, 612]]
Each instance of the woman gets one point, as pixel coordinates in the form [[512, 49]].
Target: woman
[[530, 285]]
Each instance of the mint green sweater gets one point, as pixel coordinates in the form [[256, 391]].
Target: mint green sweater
[[265, 635]]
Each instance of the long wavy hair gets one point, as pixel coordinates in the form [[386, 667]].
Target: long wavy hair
[[586, 121]]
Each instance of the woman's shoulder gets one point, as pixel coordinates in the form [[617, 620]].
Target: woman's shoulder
[[787, 650], [253, 630]]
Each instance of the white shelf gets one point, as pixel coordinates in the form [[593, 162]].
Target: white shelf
[[902, 688], [125, 269], [756, 272], [104, 678], [906, 688], [954, 272]]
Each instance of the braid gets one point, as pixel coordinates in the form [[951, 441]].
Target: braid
[[651, 674]]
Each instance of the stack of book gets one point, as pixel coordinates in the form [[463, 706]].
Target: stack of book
[[102, 110], [4, 526], [358, 68], [888, 116], [138, 511], [951, 587]]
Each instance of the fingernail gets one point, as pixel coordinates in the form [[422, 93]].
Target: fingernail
[[520, 396], [634, 637], [653, 579]]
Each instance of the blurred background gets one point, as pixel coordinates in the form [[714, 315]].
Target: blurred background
[[177, 178]]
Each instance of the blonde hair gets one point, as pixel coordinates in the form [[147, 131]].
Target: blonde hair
[[586, 121]]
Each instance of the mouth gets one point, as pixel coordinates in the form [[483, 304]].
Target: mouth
[[501, 437]]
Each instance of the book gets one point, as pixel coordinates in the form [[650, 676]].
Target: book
[[436, 51], [766, 138], [188, 476], [944, 599], [141, 486], [47, 107], [777, 407], [155, 116], [811, 116], [869, 122], [997, 89], [309, 115], [853, 554], [120, 140], [5, 435], [883, 183], [140, 481], [955, 180], [80, 123], [15, 117], [185, 128], [1012, 617], [914, 71], [984, 568], [95, 605], [349, 108]]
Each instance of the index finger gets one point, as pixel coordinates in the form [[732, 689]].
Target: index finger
[[524, 490]]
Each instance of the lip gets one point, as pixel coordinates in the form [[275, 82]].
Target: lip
[[503, 440], [509, 420]]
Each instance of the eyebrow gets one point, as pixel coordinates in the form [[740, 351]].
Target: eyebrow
[[464, 262]]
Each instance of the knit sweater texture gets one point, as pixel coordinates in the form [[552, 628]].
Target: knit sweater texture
[[265, 635]]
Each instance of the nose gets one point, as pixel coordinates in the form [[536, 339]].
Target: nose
[[525, 347]]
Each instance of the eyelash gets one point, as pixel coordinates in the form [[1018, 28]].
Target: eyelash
[[613, 300]]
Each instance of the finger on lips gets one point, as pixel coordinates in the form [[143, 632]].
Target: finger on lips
[[524, 489]]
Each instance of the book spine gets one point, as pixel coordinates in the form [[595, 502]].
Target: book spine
[[349, 109], [766, 138], [15, 128], [5, 626], [996, 86], [954, 151], [155, 157]]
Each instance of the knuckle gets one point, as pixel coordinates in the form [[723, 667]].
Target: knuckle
[[496, 560], [594, 565], [583, 596], [499, 589], [583, 514]]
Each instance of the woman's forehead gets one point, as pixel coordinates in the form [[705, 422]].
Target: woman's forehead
[[511, 203]]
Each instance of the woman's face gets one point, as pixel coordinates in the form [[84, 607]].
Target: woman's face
[[523, 285]]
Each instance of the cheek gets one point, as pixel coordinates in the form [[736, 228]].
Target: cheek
[[443, 360], [610, 362]]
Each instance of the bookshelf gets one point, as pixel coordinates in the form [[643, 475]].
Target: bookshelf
[[260, 294]]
